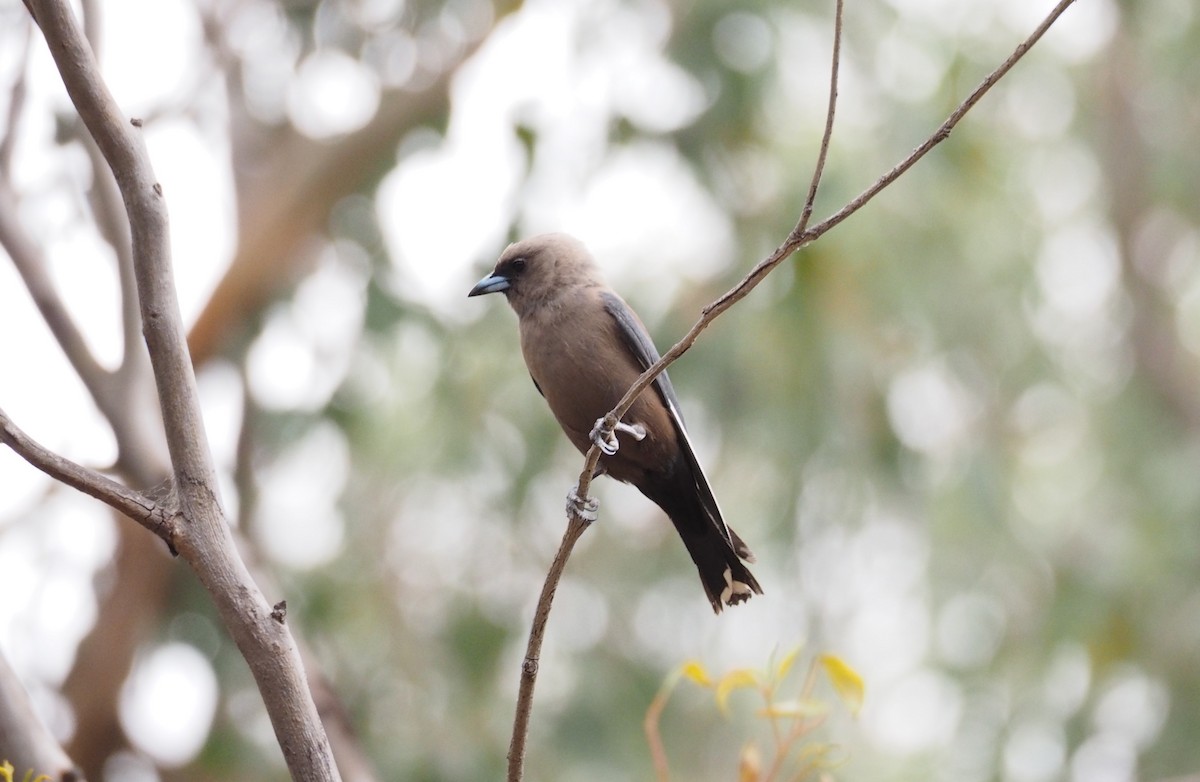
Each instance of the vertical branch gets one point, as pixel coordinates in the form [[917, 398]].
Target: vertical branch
[[30, 265], [830, 111], [16, 105], [533, 650], [651, 728]]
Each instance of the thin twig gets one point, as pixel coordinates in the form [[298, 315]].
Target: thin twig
[[16, 105], [30, 263], [800, 236], [113, 224], [533, 650], [134, 504], [830, 111], [799, 727], [651, 727]]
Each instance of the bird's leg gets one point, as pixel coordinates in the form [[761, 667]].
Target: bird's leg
[[637, 431], [587, 510], [606, 437]]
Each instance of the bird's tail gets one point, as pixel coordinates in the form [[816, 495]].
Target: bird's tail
[[726, 579]]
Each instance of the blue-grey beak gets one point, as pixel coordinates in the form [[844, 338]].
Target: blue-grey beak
[[490, 284]]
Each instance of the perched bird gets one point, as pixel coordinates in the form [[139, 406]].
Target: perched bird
[[584, 348]]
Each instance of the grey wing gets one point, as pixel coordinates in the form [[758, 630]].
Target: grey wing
[[639, 342]]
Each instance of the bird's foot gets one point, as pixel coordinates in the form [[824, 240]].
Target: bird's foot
[[585, 510], [606, 438]]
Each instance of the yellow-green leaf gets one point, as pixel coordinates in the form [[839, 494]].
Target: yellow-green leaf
[[694, 670], [845, 680], [735, 679], [6, 770], [785, 665]]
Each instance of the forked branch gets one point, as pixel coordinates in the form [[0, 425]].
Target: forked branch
[[202, 535], [134, 504]]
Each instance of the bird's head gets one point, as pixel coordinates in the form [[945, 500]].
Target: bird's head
[[536, 270]]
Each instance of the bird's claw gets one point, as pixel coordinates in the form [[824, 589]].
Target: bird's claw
[[606, 438], [585, 510]]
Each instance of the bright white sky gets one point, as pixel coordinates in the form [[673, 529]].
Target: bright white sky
[[445, 211]]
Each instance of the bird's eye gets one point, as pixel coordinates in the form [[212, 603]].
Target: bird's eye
[[518, 264]]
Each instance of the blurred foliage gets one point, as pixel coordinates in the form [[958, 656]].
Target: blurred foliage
[[790, 722], [961, 431], [6, 773]]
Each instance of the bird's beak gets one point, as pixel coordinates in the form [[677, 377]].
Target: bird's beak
[[490, 284]]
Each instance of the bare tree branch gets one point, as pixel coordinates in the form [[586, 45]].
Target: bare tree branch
[[800, 236], [16, 104], [340, 168], [204, 538], [1172, 370], [136, 589], [533, 650], [30, 264], [113, 223], [133, 504], [296, 181], [138, 435], [830, 112], [126, 400], [24, 739]]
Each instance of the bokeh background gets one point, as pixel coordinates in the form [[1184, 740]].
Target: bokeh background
[[961, 432]]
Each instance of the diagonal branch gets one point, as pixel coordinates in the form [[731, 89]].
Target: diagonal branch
[[135, 505], [802, 236], [25, 739], [286, 197], [31, 266]]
